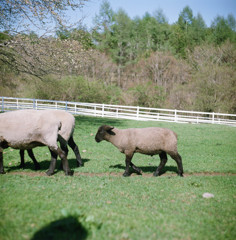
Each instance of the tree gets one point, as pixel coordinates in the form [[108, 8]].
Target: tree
[[103, 22], [27, 54], [185, 18], [224, 29], [23, 14]]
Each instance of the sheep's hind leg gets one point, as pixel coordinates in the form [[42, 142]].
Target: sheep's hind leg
[[52, 166], [65, 150], [75, 148], [178, 160], [136, 169], [1, 163], [65, 163], [163, 158]]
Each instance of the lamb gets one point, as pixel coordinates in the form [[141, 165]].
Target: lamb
[[66, 132], [26, 129], [149, 141]]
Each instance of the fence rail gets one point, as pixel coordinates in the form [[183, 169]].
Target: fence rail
[[117, 111]]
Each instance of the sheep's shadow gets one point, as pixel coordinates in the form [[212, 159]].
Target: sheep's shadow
[[148, 169], [44, 165], [92, 121], [65, 228]]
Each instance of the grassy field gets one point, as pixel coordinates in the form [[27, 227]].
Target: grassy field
[[98, 203]]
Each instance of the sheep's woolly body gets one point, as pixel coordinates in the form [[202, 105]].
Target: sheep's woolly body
[[26, 129], [68, 123], [150, 141]]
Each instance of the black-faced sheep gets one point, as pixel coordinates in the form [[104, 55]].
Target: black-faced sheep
[[149, 141], [66, 133], [26, 129]]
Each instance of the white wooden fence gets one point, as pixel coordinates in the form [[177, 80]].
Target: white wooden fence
[[117, 111]]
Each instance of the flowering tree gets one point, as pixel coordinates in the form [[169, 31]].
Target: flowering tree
[[21, 50]]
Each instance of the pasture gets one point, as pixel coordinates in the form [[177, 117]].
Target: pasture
[[98, 203]]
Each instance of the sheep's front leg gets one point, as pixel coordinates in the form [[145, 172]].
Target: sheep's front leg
[[127, 163], [22, 160], [31, 155], [1, 162]]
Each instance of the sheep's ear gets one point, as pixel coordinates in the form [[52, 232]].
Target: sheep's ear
[[108, 128]]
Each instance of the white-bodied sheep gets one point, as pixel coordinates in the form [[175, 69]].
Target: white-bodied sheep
[[26, 129], [66, 135], [149, 141]]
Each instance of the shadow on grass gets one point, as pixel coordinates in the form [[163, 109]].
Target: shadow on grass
[[147, 169], [62, 229], [98, 121], [44, 165]]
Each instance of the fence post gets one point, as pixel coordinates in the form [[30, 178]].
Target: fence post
[[103, 110], [117, 112], [137, 116], [175, 115], [213, 118], [34, 103], [66, 106], [2, 104]]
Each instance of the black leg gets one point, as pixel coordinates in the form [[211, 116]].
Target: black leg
[[22, 160], [52, 166], [178, 160], [127, 163], [163, 158], [31, 155], [65, 163], [1, 162], [136, 169], [75, 148], [65, 150]]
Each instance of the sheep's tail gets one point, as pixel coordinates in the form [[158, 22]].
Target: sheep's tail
[[60, 125]]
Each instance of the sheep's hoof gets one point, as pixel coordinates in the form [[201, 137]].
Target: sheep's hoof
[[69, 173], [21, 165], [80, 164], [49, 173], [37, 167], [126, 174]]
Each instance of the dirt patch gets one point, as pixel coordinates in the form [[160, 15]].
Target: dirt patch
[[113, 174]]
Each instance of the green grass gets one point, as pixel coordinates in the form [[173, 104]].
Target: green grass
[[113, 207]]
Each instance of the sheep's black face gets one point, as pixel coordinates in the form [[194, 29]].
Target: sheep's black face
[[101, 133]]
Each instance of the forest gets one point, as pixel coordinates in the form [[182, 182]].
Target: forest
[[141, 61]]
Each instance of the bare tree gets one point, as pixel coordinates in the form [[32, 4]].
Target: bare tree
[[29, 53], [18, 15]]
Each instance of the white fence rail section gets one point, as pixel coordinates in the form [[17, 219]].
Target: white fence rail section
[[117, 111]]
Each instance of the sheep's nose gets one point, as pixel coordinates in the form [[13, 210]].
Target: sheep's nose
[[97, 139]]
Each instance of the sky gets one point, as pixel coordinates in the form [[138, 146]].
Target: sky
[[209, 9]]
